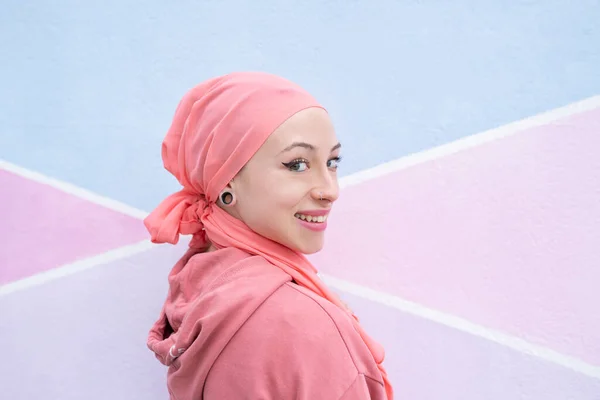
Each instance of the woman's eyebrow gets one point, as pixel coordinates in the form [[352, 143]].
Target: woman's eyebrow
[[307, 146], [298, 144]]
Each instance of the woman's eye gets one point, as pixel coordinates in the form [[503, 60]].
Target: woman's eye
[[334, 163], [297, 165]]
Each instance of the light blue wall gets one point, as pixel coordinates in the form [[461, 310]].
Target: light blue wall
[[88, 88]]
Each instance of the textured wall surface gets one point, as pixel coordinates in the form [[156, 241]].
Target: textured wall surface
[[466, 234]]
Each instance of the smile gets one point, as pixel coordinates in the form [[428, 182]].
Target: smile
[[314, 220], [311, 218]]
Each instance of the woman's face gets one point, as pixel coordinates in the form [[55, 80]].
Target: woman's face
[[285, 192]]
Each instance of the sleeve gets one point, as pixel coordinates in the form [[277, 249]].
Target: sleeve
[[289, 349]]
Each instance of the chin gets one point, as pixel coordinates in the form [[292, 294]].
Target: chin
[[304, 244], [309, 247]]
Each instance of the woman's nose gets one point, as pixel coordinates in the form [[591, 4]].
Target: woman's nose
[[327, 189]]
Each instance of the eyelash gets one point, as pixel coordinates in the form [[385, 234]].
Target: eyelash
[[297, 161]]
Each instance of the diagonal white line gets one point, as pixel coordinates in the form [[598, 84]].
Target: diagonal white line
[[470, 141], [75, 267], [73, 190], [464, 325]]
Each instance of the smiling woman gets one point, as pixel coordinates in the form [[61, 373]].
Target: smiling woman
[[247, 316], [288, 189]]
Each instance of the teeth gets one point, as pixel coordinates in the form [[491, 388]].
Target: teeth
[[310, 218]]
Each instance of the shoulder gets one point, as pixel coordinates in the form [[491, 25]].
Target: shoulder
[[295, 341], [318, 323]]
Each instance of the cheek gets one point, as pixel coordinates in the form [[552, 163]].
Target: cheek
[[271, 198]]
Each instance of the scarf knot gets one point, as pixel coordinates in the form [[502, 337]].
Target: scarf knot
[[181, 213]]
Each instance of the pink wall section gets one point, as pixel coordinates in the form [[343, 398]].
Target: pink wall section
[[505, 234], [44, 228]]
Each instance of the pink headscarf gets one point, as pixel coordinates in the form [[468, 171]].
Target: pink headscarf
[[218, 126]]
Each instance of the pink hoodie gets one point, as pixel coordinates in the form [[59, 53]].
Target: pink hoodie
[[239, 299], [240, 328]]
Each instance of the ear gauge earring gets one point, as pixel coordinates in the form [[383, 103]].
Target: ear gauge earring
[[226, 198]]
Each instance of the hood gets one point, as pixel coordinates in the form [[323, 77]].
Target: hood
[[210, 297]]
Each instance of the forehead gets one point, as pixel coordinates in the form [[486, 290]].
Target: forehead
[[312, 126]]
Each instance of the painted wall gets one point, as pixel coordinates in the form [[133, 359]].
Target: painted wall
[[471, 258]]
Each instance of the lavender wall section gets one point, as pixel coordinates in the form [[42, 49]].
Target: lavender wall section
[[478, 270]]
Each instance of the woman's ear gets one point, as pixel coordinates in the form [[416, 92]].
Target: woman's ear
[[227, 197]]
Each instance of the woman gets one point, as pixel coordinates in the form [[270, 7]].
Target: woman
[[246, 316]]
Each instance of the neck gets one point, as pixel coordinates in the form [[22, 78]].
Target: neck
[[211, 248]]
